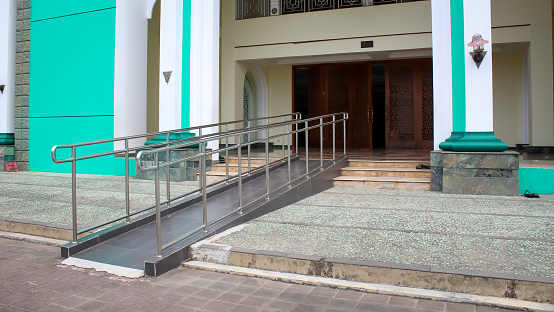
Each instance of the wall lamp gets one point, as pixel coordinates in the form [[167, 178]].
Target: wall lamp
[[2, 88], [478, 45]]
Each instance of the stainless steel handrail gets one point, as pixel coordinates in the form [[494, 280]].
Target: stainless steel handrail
[[239, 136], [74, 159]]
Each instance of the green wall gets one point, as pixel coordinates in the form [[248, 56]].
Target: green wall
[[536, 180], [72, 79]]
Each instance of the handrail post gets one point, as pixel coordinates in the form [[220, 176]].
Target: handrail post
[[344, 116], [74, 192], [203, 183], [239, 174], [127, 201], [158, 210], [167, 173], [282, 138], [226, 153], [289, 138], [321, 142], [298, 117], [267, 161], [249, 155], [334, 137], [306, 135]]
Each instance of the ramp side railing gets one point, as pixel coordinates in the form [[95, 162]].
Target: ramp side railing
[[266, 133], [127, 151]]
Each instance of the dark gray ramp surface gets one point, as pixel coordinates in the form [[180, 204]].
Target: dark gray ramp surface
[[135, 247]]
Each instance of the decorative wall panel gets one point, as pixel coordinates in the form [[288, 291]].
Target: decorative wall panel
[[401, 103], [427, 101]]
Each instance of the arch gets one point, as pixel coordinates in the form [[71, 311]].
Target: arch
[[262, 93], [150, 8]]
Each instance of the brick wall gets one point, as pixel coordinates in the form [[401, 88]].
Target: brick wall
[[22, 56]]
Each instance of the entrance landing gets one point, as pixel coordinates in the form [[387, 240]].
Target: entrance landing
[[485, 245]]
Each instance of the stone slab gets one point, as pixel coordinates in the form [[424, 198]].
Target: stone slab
[[477, 173], [480, 186]]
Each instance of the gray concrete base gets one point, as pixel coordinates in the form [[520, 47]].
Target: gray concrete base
[[503, 303], [38, 229], [185, 171], [475, 173], [533, 289]]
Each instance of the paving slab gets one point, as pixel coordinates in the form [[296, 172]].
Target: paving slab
[[508, 235]]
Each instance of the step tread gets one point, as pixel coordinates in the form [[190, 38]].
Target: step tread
[[391, 161], [237, 165], [385, 169], [383, 179], [221, 173]]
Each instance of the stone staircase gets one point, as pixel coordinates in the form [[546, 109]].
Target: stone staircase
[[218, 171], [385, 174]]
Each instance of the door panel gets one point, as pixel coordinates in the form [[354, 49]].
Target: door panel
[[338, 88], [409, 104], [400, 106], [359, 126], [339, 98]]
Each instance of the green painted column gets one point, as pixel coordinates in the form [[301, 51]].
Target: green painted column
[[472, 120], [458, 74]]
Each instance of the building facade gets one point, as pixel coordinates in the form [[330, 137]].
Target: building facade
[[77, 71]]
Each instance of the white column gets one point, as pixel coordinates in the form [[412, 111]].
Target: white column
[[8, 15], [204, 63], [131, 38], [171, 45], [442, 71], [479, 110]]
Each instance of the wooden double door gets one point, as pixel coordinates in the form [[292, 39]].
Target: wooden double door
[[406, 107]]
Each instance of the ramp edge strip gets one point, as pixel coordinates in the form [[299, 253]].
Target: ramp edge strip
[[102, 267]]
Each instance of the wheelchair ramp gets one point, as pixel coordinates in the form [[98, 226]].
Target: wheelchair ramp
[[131, 248]]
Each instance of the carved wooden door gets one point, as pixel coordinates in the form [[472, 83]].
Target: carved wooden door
[[409, 104], [336, 88]]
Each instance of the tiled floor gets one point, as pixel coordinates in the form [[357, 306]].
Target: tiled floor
[[32, 280]]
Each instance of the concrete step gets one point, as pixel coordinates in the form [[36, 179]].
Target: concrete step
[[234, 167], [387, 163], [244, 160], [386, 172], [392, 182], [207, 252]]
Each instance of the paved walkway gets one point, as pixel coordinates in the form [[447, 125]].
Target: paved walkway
[[494, 234], [46, 197], [506, 235], [32, 280]]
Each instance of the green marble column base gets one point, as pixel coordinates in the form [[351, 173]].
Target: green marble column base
[[473, 142], [447, 144], [172, 137], [6, 139]]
